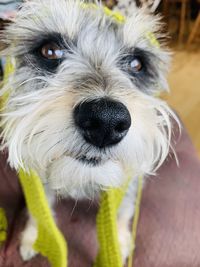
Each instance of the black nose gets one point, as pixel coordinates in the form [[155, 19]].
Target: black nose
[[102, 122]]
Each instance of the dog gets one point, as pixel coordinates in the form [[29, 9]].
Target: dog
[[81, 109]]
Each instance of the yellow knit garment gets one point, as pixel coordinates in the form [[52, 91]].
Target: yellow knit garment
[[3, 226], [50, 242], [109, 250]]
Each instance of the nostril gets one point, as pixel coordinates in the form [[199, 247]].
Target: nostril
[[122, 127], [90, 125]]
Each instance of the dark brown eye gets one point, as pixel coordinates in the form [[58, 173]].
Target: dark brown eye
[[52, 51], [136, 65]]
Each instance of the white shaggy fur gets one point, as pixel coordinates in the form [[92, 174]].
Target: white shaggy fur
[[28, 238], [37, 120]]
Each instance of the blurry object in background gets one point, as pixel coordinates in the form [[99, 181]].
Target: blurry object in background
[[194, 8], [167, 5], [195, 29], [184, 83], [8, 8], [126, 7]]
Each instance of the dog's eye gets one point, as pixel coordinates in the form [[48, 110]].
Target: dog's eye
[[52, 51], [135, 65]]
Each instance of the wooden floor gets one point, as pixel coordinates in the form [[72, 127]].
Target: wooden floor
[[184, 80]]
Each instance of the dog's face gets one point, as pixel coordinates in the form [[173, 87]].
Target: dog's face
[[81, 108]]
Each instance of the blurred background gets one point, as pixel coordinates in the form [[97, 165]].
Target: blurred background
[[182, 18]]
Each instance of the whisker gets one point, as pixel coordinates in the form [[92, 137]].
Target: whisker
[[74, 207], [35, 134], [58, 142]]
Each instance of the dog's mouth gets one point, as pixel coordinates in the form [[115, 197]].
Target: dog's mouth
[[91, 161], [94, 161]]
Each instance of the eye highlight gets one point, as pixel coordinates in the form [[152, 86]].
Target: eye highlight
[[52, 51], [135, 65]]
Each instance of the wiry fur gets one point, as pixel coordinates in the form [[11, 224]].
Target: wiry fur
[[37, 120]]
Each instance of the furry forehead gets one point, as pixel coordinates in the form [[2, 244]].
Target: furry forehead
[[87, 32], [75, 20]]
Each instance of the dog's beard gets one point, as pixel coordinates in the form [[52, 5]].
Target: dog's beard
[[41, 135]]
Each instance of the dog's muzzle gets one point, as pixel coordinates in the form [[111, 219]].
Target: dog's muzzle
[[103, 122]]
